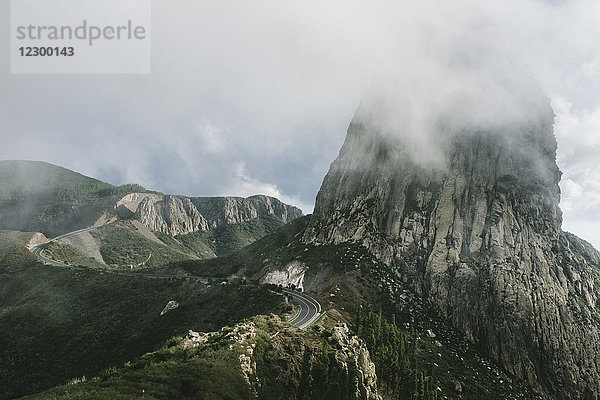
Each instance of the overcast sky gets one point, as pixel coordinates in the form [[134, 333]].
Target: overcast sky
[[251, 97]]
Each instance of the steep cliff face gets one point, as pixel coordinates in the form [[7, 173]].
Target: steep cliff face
[[175, 215], [478, 234], [221, 211], [171, 215]]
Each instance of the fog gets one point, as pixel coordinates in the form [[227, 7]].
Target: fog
[[255, 97]]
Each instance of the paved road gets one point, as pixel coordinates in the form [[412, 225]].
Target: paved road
[[37, 250], [91, 228], [310, 309]]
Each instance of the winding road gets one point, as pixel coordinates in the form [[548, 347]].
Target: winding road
[[310, 309], [37, 250]]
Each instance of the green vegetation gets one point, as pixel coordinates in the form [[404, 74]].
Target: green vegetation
[[211, 371], [121, 246], [36, 196], [326, 379], [181, 377], [195, 248], [410, 364], [289, 364], [395, 352], [279, 248], [12, 248], [70, 255], [417, 355], [228, 238], [427, 359], [24, 179], [249, 258], [59, 324]]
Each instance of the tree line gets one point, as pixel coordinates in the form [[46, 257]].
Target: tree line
[[395, 353]]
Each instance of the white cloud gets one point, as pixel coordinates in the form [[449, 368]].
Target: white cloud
[[273, 85], [247, 186]]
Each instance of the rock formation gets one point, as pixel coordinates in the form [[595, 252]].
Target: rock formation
[[353, 349], [477, 234], [171, 215], [175, 215], [170, 306], [291, 275], [220, 211]]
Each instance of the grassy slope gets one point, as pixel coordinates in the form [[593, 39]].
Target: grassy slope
[[122, 246], [69, 255], [226, 239], [38, 196], [276, 249], [356, 279], [61, 324]]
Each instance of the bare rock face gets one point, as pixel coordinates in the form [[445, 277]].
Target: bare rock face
[[36, 239], [221, 211], [170, 306], [291, 275], [478, 234], [171, 215], [175, 215], [353, 349], [195, 339]]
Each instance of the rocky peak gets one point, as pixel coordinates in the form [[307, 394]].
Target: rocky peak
[[230, 210], [476, 230], [171, 214], [176, 215]]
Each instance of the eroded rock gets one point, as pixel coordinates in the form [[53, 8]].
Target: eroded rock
[[477, 233]]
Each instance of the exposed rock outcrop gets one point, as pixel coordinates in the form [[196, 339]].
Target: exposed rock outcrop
[[170, 306], [266, 345], [478, 234], [175, 215], [195, 339], [291, 274], [172, 215], [354, 350], [220, 211], [37, 239], [86, 243]]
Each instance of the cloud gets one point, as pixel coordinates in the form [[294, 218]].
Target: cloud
[[272, 86], [578, 160]]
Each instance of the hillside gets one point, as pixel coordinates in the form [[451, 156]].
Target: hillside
[[59, 324], [259, 358], [350, 283], [141, 228], [37, 196], [356, 288], [455, 277], [467, 250]]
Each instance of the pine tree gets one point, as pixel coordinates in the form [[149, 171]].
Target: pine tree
[[321, 374], [305, 384]]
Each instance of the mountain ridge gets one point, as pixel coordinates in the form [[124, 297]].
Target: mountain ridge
[[39, 196], [479, 236]]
